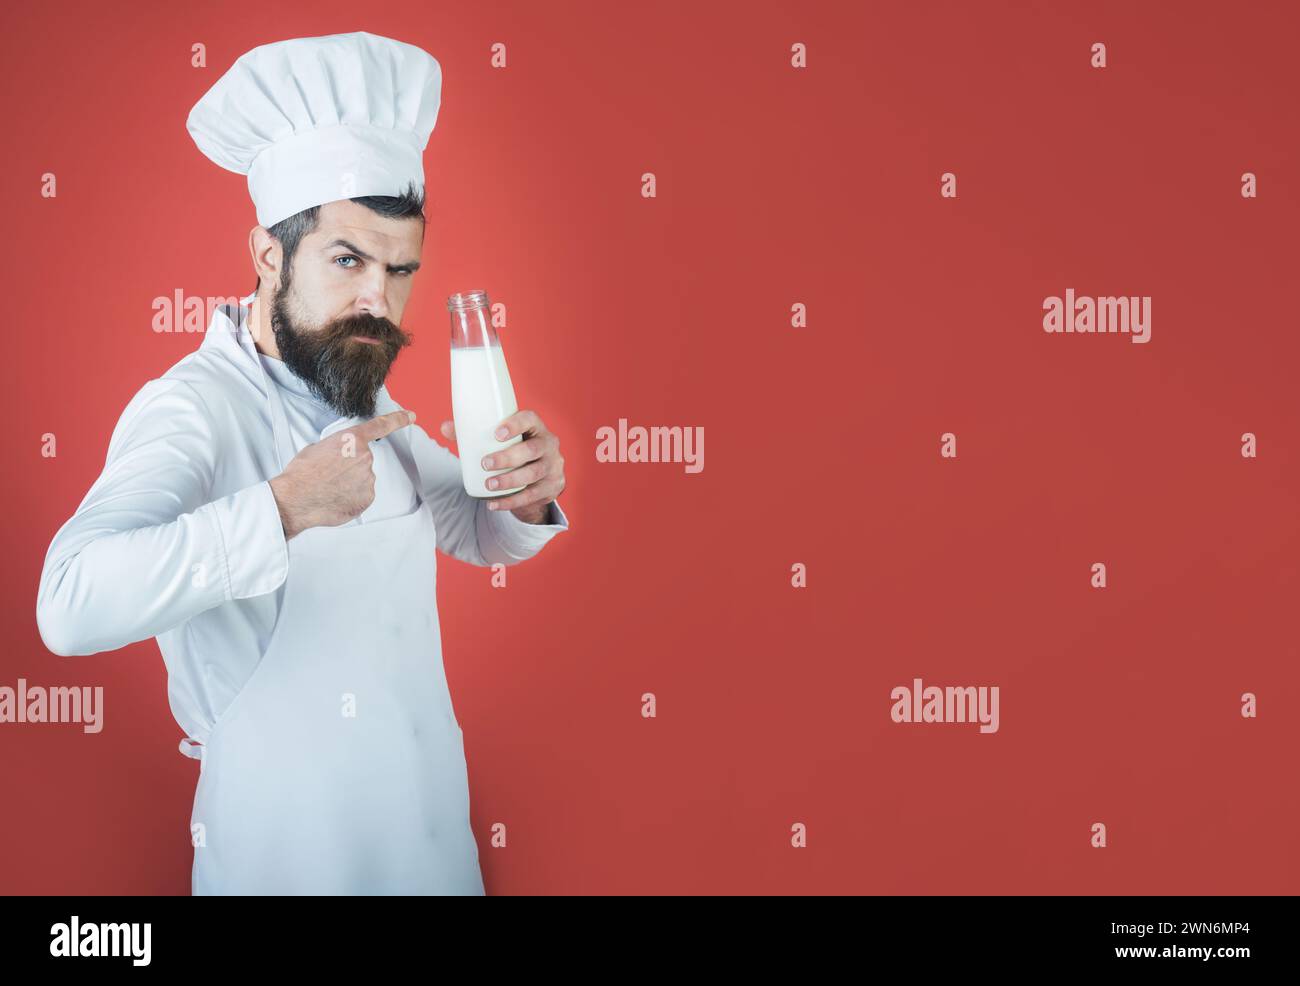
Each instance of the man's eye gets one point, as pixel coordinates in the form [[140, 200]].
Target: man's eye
[[347, 256]]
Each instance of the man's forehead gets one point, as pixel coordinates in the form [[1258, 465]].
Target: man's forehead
[[366, 229]]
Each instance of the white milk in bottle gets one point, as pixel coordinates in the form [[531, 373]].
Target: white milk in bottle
[[481, 393]]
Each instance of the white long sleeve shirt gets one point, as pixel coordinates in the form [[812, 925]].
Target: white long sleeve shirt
[[180, 537]]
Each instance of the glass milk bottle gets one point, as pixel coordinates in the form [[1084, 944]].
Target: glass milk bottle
[[481, 393]]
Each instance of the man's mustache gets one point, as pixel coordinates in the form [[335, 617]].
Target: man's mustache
[[376, 328]]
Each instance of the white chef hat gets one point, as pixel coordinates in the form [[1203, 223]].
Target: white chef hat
[[314, 120]]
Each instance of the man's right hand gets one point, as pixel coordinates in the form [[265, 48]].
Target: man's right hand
[[332, 481]]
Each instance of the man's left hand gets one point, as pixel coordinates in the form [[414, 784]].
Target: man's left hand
[[534, 463]]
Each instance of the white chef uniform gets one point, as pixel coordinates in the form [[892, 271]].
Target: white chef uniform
[[180, 538]]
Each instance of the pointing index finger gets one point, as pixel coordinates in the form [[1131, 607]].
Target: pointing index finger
[[383, 425]]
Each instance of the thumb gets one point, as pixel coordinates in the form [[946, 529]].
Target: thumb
[[449, 429]]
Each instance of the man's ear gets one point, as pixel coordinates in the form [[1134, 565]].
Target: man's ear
[[267, 256]]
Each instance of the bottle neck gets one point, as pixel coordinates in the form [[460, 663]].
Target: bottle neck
[[472, 328]]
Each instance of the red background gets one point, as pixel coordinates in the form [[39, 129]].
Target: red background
[[775, 186]]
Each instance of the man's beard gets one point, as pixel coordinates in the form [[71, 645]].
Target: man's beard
[[341, 371]]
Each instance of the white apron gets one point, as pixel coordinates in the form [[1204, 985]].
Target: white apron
[[339, 767]]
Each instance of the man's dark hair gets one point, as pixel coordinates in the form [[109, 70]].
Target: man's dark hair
[[408, 205]]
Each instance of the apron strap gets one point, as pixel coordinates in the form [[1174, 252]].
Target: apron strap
[[192, 748]]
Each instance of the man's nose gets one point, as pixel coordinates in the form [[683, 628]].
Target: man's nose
[[373, 303]]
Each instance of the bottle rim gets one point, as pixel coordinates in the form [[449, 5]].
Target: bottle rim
[[467, 301]]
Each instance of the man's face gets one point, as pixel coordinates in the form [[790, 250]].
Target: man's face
[[337, 311]]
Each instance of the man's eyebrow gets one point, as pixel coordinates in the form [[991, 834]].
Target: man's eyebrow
[[411, 265]]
